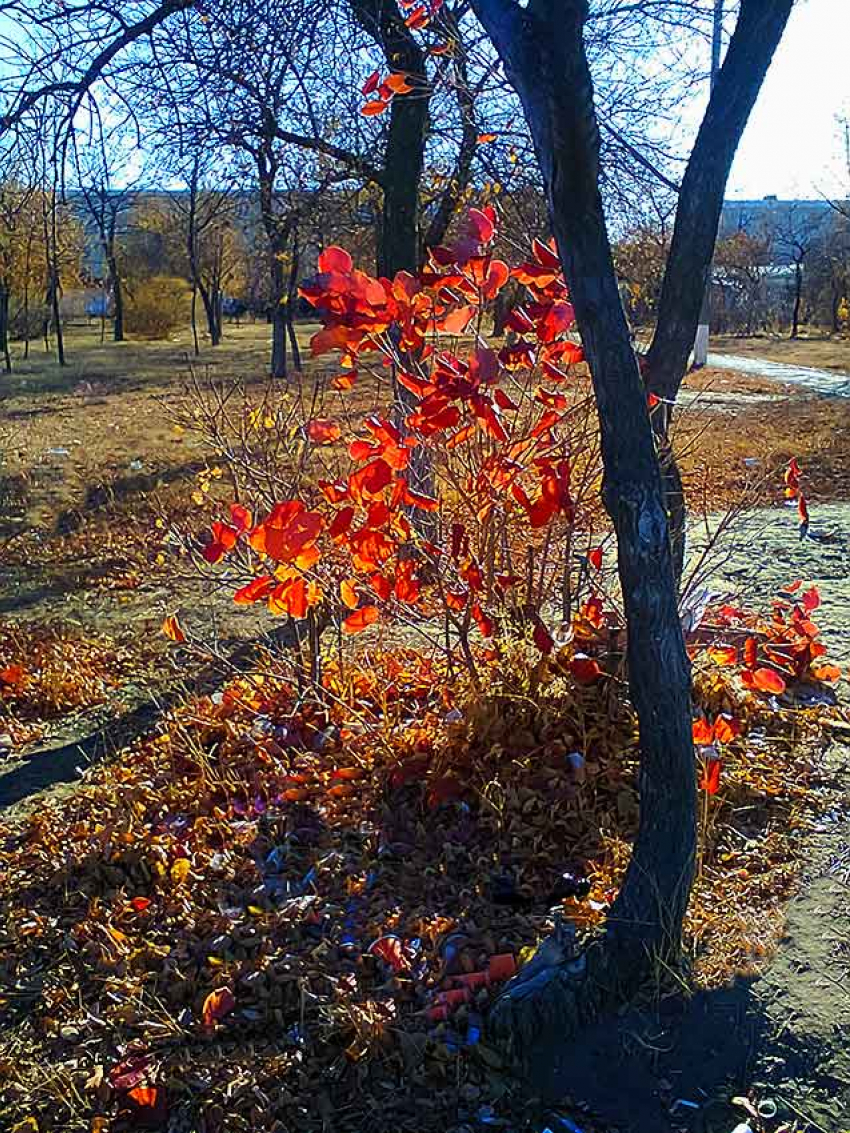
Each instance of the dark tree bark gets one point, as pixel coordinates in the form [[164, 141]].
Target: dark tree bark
[[292, 298], [542, 48], [277, 235], [398, 236], [4, 328], [798, 297]]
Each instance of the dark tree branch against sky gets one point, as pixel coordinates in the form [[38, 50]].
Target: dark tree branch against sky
[[52, 74]]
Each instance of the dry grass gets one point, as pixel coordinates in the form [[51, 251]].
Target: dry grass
[[814, 348]]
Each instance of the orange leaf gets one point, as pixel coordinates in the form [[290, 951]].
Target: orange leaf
[[710, 781], [360, 619], [14, 675], [254, 591], [370, 109], [399, 83], [703, 733], [483, 139], [348, 593], [763, 680], [171, 628], [726, 728], [323, 432], [456, 322], [217, 1004], [723, 654], [750, 653], [826, 673]]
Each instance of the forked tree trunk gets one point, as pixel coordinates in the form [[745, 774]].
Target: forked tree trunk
[[542, 48]]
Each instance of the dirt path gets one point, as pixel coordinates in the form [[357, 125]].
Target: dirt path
[[824, 382]]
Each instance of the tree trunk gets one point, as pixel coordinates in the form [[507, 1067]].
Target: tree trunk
[[544, 59], [117, 301], [291, 300], [4, 328], [798, 298], [277, 235], [194, 319], [398, 235]]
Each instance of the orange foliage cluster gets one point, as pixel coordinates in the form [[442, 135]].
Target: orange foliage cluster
[[510, 458]]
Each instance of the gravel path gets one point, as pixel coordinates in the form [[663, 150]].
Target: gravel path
[[824, 382]]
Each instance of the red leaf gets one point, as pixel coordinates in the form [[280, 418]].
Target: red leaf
[[139, 904], [240, 518], [14, 675], [368, 87], [360, 619], [811, 599], [703, 733], [594, 557], [334, 258], [217, 1004], [418, 18], [381, 585], [503, 401], [585, 669], [750, 652], [323, 432], [390, 950], [545, 255], [482, 224], [223, 539], [543, 639], [128, 1073], [486, 625], [256, 590], [710, 781], [763, 680], [371, 479], [341, 522]]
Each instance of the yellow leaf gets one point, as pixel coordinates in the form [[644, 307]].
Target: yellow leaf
[[28, 1125], [180, 871]]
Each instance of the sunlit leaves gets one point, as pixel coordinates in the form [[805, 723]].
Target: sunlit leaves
[[360, 619], [172, 629]]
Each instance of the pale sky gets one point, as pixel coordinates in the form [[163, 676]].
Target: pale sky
[[792, 145]]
